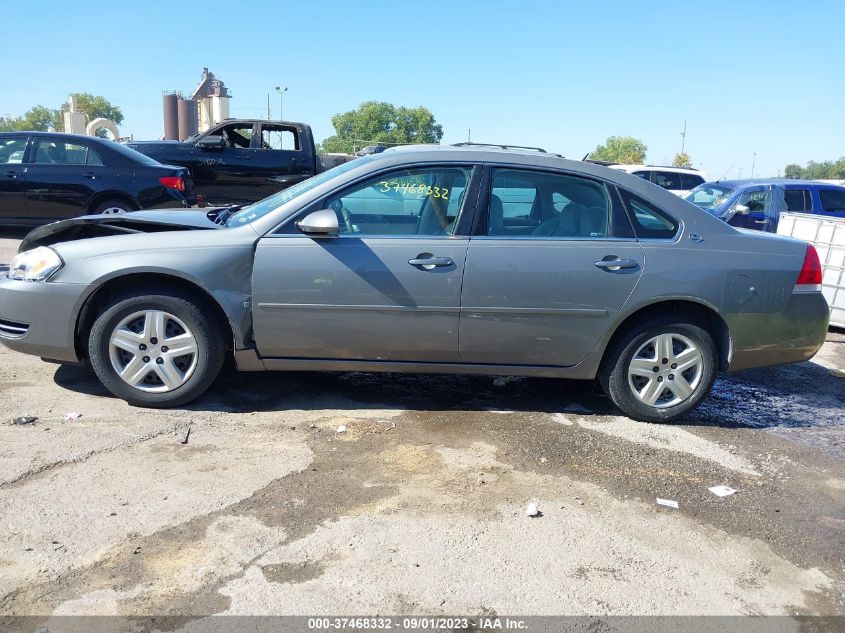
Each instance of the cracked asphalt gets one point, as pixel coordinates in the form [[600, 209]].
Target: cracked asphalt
[[419, 506]]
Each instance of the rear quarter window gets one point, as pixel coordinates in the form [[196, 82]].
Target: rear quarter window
[[649, 221], [690, 181], [832, 199]]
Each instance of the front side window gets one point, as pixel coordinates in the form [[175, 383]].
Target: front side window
[[667, 180], [649, 222], [756, 201], [547, 205], [415, 201], [832, 199], [798, 200], [50, 152], [12, 150], [690, 181], [237, 135]]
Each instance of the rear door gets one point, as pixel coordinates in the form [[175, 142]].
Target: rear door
[[387, 288], [13, 177], [546, 295], [279, 158], [62, 176]]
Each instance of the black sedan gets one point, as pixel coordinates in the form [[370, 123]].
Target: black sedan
[[46, 177]]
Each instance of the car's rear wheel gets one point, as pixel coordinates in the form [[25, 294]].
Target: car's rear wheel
[[114, 207], [156, 350], [660, 370]]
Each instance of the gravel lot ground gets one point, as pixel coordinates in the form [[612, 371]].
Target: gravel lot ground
[[419, 507]]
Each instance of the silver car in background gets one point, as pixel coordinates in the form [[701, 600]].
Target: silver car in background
[[422, 259]]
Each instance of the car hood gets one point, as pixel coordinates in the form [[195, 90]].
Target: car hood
[[87, 226]]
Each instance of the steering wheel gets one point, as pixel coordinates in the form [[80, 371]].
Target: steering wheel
[[347, 219]]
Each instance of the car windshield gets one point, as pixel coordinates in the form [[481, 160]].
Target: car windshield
[[250, 213], [709, 196]]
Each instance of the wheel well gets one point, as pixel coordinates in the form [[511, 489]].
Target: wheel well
[[98, 199], [152, 282], [691, 311]]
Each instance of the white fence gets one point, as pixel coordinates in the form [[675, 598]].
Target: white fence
[[828, 236]]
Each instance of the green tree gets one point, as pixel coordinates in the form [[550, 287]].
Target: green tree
[[94, 106], [825, 170], [682, 159], [379, 122], [40, 118], [621, 149], [792, 170]]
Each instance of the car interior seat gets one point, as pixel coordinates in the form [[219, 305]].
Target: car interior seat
[[496, 221]]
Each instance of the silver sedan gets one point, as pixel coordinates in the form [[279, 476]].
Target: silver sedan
[[422, 259]]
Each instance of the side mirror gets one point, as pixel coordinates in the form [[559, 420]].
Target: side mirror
[[319, 224], [741, 209], [210, 143]]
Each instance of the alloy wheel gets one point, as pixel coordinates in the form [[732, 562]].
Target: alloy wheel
[[153, 351], [666, 370]]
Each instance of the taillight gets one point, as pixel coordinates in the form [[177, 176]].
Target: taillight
[[810, 277], [173, 182]]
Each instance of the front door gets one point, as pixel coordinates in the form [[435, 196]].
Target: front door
[[62, 176], [13, 178], [545, 295], [387, 288], [758, 208]]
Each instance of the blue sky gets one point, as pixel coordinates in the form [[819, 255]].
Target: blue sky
[[754, 76]]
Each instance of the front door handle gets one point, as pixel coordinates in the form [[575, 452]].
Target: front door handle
[[616, 264], [428, 262], [89, 174], [761, 221], [10, 174], [243, 157]]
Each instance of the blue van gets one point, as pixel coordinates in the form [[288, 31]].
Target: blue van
[[757, 204]]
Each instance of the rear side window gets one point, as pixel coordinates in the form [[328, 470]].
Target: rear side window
[[832, 199], [667, 180], [649, 222], [547, 205], [690, 181], [798, 200], [645, 175], [49, 152]]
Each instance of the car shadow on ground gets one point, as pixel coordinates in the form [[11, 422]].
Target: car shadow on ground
[[801, 395]]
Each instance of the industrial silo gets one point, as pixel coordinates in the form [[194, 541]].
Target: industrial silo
[[171, 118], [187, 118]]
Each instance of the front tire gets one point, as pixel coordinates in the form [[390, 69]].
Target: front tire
[[156, 350], [660, 370]]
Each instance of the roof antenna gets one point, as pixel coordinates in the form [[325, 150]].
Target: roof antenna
[[726, 172]]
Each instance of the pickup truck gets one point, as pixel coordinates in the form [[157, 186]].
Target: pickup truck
[[243, 160]]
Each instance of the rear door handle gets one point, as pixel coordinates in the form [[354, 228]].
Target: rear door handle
[[89, 174], [243, 157], [616, 264], [431, 262]]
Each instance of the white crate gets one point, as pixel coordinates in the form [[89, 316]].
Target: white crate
[[828, 236]]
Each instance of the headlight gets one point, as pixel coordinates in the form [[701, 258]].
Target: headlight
[[35, 265]]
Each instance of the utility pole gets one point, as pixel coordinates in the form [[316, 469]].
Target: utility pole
[[683, 137], [740, 172], [753, 162], [268, 106], [281, 90], [469, 135]]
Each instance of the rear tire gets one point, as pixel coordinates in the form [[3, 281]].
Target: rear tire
[[639, 382], [115, 206], [156, 350]]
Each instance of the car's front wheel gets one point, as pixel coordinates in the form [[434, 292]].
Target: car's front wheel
[[156, 350], [660, 370]]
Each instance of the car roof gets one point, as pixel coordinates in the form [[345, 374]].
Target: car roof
[[680, 170], [63, 135], [733, 184]]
